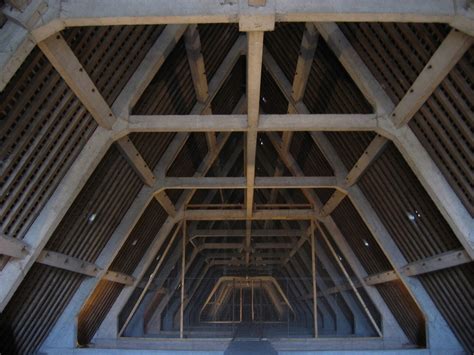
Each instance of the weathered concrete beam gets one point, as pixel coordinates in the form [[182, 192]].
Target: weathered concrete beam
[[68, 66], [222, 215], [13, 247], [239, 123], [437, 262], [213, 233], [198, 73], [308, 45], [69, 263], [241, 183], [120, 12]]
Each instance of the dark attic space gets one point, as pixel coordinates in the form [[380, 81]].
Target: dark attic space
[[236, 177]]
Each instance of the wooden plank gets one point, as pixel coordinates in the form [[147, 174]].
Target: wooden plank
[[187, 123], [68, 66], [237, 50], [239, 123], [308, 46], [196, 63], [443, 60], [198, 74], [69, 263]]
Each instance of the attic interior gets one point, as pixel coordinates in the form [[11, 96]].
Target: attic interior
[[202, 175]]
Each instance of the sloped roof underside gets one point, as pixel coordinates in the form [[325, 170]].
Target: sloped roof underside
[[45, 127]]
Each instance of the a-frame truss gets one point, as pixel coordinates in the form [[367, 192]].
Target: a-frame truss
[[116, 122]]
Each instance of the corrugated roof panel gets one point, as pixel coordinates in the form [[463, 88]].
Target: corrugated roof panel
[[152, 145], [395, 53], [140, 239], [330, 89], [44, 127], [308, 156], [216, 42], [231, 90], [236, 138], [350, 145], [95, 310], [409, 214], [110, 54], [98, 209], [272, 100], [452, 290], [445, 126], [35, 307], [172, 90], [358, 236], [284, 46], [405, 310], [188, 160]]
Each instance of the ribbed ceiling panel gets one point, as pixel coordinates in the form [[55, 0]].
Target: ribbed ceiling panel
[[151, 145], [140, 239], [111, 54], [96, 309], [99, 208], [284, 46], [445, 126], [330, 89], [44, 127], [171, 91], [35, 307], [395, 53], [405, 310], [350, 146], [216, 42], [452, 290], [231, 91], [406, 210], [360, 238], [308, 156]]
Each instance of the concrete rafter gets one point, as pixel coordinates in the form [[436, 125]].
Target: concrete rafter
[[91, 155], [114, 128]]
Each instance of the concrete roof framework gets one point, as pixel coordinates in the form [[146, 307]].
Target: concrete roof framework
[[378, 154]]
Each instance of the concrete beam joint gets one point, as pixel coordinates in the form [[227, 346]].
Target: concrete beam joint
[[257, 15]]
